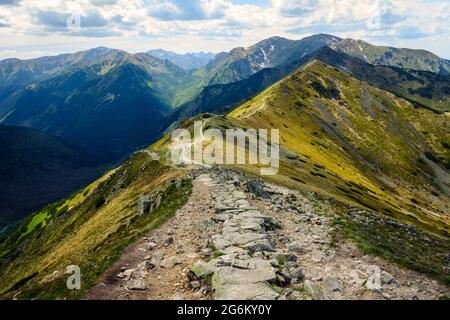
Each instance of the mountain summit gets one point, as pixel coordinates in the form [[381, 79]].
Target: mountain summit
[[188, 61]]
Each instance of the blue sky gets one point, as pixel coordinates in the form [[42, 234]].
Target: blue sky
[[30, 28]]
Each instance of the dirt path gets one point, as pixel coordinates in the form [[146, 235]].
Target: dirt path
[[176, 245], [244, 239]]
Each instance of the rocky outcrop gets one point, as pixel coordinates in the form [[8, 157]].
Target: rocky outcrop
[[239, 273]]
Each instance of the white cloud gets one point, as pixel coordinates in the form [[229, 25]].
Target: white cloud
[[6, 54], [212, 22]]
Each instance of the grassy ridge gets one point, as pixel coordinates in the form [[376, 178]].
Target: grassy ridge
[[358, 142], [362, 147]]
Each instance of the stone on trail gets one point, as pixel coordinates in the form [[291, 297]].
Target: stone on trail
[[257, 188], [233, 223], [226, 260], [247, 207], [252, 264], [251, 214], [257, 291], [222, 217], [51, 277], [296, 273], [171, 262], [333, 285], [239, 195], [233, 211], [207, 252], [157, 258], [284, 257], [231, 250], [242, 239], [127, 274], [252, 226], [387, 278], [224, 208], [230, 275], [314, 290], [318, 256], [296, 247], [137, 285], [150, 245], [220, 243], [145, 266], [259, 246], [169, 241], [242, 203], [203, 269], [178, 296]]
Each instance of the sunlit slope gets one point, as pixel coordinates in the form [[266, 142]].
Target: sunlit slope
[[359, 144], [89, 229]]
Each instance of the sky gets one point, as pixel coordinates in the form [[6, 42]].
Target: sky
[[32, 28]]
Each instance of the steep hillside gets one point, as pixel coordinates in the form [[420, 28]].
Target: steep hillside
[[222, 98], [113, 114], [172, 84], [402, 58], [37, 169], [90, 229], [187, 61], [15, 72]]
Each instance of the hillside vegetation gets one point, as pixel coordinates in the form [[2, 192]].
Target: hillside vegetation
[[369, 141], [360, 147], [359, 142], [89, 229]]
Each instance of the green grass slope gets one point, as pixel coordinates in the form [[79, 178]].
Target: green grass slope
[[365, 147], [363, 143], [90, 229], [423, 88]]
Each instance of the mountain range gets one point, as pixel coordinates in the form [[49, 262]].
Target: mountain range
[[82, 97], [361, 127], [187, 61]]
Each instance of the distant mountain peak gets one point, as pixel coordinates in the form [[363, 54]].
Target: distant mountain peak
[[187, 61], [396, 57]]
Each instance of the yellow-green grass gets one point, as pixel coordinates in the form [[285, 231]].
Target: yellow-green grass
[[363, 147], [91, 231]]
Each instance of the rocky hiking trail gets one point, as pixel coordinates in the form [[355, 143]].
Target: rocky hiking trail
[[243, 239]]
